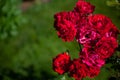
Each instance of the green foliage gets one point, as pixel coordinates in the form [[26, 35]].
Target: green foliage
[[113, 3], [10, 18]]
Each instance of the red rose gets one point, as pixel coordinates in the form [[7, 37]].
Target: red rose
[[79, 20], [77, 69], [61, 63], [93, 71], [106, 47], [112, 32], [91, 58], [83, 7], [100, 22], [65, 26], [87, 36]]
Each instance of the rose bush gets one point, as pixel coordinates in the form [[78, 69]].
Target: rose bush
[[95, 32]]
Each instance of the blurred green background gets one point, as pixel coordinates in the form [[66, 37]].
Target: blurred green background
[[28, 40]]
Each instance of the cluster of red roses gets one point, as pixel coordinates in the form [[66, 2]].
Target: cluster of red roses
[[95, 32]]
